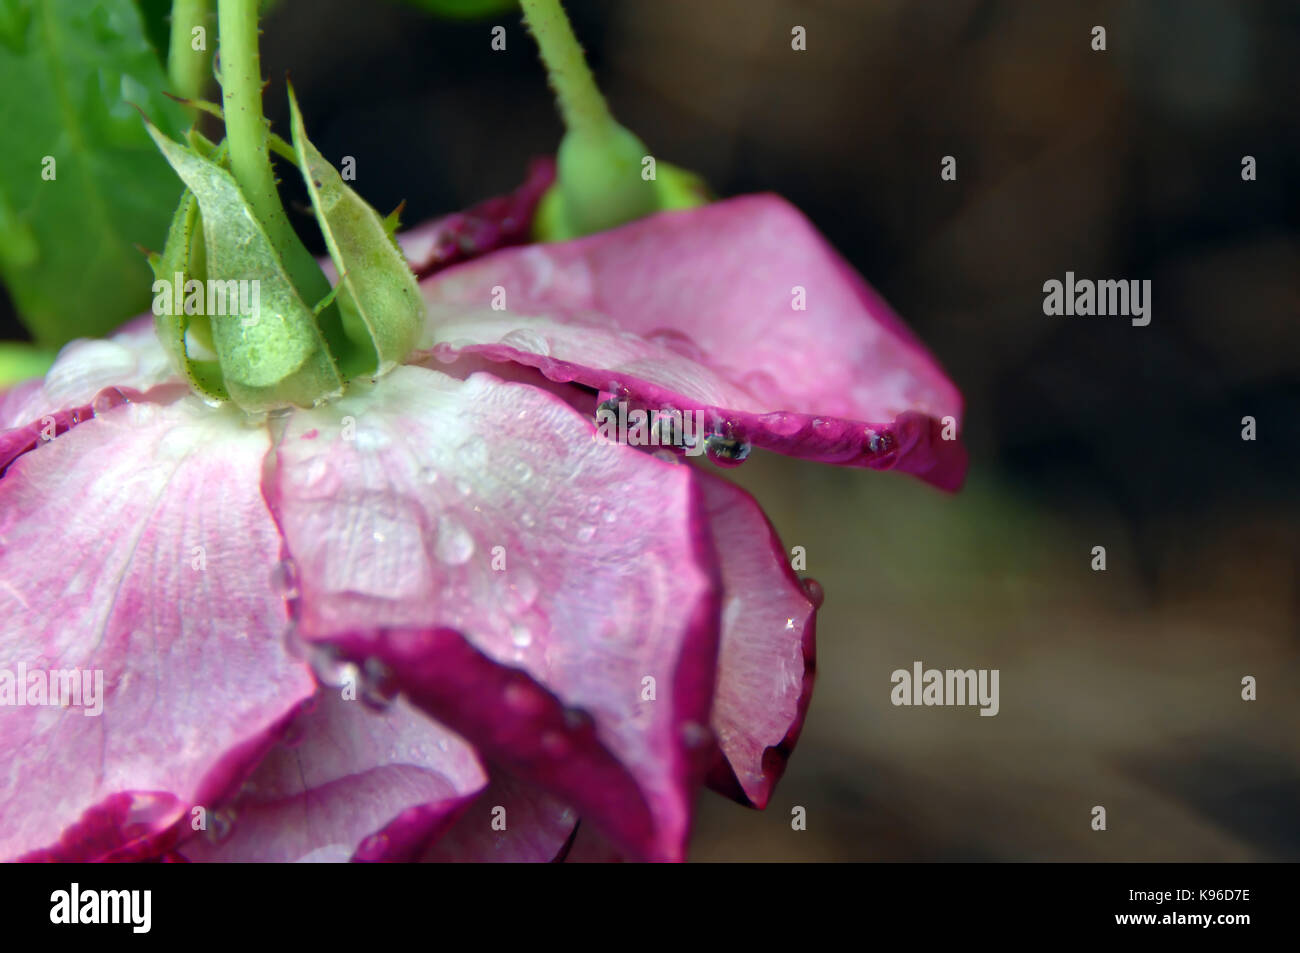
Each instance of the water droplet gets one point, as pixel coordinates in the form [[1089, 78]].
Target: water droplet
[[221, 824], [293, 642], [528, 519], [147, 810], [678, 342], [521, 592], [455, 546], [518, 696], [378, 687], [585, 532], [284, 579], [520, 636], [725, 451], [428, 475], [694, 734], [880, 441], [610, 516], [783, 425], [374, 847], [332, 670], [463, 487], [106, 400], [606, 407], [317, 470], [813, 590], [524, 339]]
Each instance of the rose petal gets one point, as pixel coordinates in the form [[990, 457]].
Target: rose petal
[[497, 222], [693, 310], [132, 358], [512, 822], [138, 545], [355, 782], [493, 509], [766, 659]]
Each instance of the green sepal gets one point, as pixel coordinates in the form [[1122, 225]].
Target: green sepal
[[278, 357], [673, 188], [177, 260], [379, 298]]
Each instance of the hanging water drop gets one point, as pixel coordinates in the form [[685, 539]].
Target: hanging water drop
[[726, 451], [378, 687], [221, 824], [880, 441], [284, 579], [813, 590]]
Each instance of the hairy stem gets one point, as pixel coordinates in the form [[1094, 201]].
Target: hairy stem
[[247, 136], [581, 103]]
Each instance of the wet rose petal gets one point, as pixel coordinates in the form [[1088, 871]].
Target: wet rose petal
[[766, 660], [696, 310], [493, 509], [511, 822], [497, 222], [138, 545], [132, 358], [355, 782]]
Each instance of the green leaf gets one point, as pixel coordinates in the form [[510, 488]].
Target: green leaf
[[279, 358], [70, 71], [379, 297]]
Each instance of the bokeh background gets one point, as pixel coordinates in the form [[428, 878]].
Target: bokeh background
[[1118, 688]]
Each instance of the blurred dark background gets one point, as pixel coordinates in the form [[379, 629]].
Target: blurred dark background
[[1119, 688]]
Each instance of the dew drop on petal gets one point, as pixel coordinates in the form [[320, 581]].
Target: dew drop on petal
[[726, 451], [520, 636], [284, 579], [317, 470], [378, 688], [518, 697], [332, 670], [813, 589], [147, 809], [521, 592], [880, 441], [294, 643], [528, 341], [694, 734], [455, 545]]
